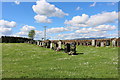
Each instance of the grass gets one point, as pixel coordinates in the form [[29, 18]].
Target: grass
[[21, 60]]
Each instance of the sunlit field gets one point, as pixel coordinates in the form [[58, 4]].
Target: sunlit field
[[22, 60]]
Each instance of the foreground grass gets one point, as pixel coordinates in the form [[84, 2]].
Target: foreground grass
[[22, 60]]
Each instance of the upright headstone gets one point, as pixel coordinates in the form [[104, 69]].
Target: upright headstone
[[55, 46], [102, 44], [93, 43], [72, 49], [98, 44], [51, 45], [67, 48], [113, 43], [48, 44], [108, 43], [42, 44], [60, 44], [38, 42]]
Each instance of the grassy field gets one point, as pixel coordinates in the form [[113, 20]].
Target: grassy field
[[21, 60]]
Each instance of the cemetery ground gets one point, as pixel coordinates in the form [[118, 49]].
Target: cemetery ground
[[22, 60]]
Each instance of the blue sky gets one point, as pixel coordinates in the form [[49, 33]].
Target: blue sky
[[23, 14]]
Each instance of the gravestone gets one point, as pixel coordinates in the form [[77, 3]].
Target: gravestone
[[113, 43], [51, 45], [48, 44], [67, 48], [102, 44], [108, 43], [60, 44], [98, 43], [55, 46], [93, 43], [38, 42], [72, 49], [42, 44]]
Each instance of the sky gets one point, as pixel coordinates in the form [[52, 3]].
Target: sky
[[64, 20]]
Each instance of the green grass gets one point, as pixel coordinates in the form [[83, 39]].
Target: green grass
[[21, 60]]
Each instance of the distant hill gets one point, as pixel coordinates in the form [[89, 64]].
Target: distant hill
[[90, 38]]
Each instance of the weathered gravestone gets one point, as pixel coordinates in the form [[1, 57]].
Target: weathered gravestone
[[108, 43], [51, 45], [48, 44], [93, 42], [55, 46], [38, 42], [67, 48], [114, 43], [70, 48], [102, 44], [98, 44], [60, 44], [42, 44]]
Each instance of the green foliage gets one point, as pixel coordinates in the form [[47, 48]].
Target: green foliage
[[22, 60], [31, 34]]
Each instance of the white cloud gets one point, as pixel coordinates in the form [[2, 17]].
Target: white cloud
[[5, 31], [44, 8], [105, 27], [72, 28], [94, 20], [6, 27], [42, 19], [92, 5], [78, 20], [85, 35], [105, 17], [99, 28], [17, 2], [7, 24], [78, 8], [25, 30], [57, 30]]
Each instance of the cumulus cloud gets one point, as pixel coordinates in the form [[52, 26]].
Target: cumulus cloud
[[43, 8], [85, 35], [7, 24], [25, 30], [105, 17], [105, 27], [57, 30], [94, 20], [6, 27], [42, 19], [78, 20], [99, 28], [17, 2]]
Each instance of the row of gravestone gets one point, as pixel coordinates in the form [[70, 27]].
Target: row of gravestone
[[69, 48], [99, 43]]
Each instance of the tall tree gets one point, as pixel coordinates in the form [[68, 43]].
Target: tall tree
[[31, 34]]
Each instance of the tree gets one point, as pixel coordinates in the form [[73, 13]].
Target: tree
[[31, 34]]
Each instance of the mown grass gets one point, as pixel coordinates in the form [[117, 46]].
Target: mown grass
[[21, 60]]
